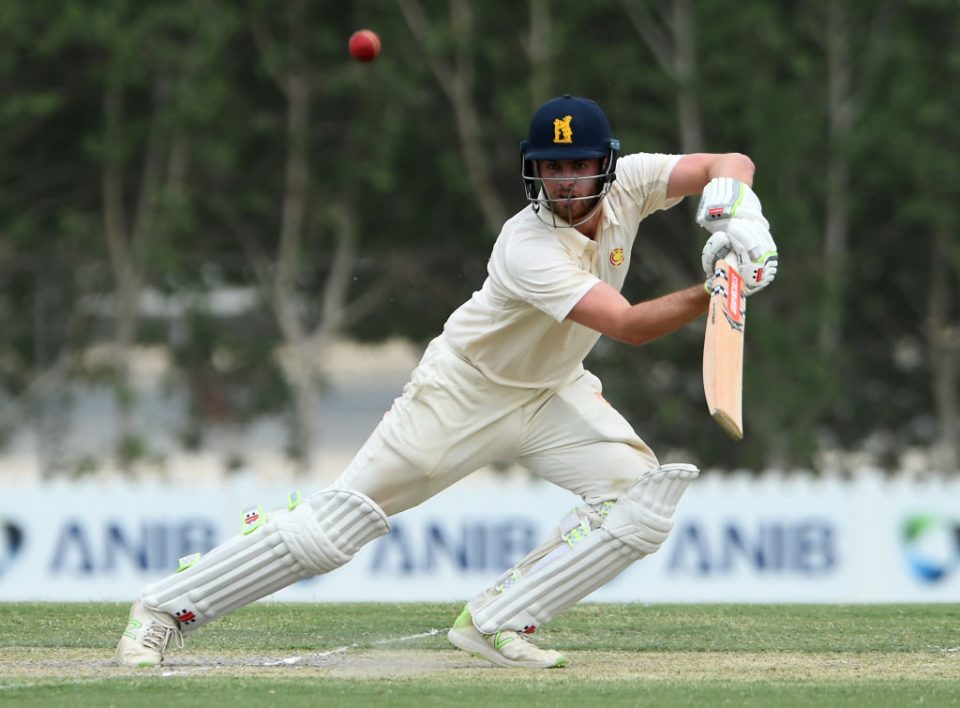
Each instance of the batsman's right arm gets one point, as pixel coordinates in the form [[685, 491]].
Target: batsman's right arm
[[605, 310]]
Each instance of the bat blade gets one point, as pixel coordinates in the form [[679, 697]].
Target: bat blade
[[723, 349]]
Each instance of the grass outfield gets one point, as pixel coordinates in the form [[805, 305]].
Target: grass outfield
[[397, 655]]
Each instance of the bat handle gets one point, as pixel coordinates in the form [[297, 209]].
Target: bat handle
[[730, 258]]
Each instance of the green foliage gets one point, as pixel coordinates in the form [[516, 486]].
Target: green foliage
[[228, 371], [201, 94]]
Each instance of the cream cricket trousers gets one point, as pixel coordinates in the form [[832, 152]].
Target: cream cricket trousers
[[451, 420]]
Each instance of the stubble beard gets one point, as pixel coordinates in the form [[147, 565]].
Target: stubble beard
[[572, 211]]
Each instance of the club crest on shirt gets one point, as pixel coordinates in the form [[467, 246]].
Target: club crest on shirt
[[616, 257]]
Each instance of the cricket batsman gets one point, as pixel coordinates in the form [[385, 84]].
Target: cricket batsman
[[505, 381]]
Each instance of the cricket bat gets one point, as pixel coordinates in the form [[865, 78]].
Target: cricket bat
[[723, 349]]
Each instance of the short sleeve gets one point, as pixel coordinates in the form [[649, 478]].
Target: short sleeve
[[644, 178], [546, 275]]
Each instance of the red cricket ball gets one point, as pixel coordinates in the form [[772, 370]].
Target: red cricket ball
[[364, 45]]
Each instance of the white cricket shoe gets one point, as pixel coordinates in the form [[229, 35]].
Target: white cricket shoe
[[504, 648], [146, 637]]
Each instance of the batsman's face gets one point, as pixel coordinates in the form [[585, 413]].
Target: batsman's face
[[571, 184]]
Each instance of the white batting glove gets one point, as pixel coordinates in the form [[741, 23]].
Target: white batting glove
[[726, 198], [757, 258], [716, 247]]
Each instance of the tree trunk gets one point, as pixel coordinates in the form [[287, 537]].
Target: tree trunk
[[840, 111], [538, 50], [123, 264], [685, 74], [51, 402], [943, 342], [125, 243], [456, 80], [300, 368], [671, 40], [304, 346], [306, 397]]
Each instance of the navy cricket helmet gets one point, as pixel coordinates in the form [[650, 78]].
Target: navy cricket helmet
[[568, 128]]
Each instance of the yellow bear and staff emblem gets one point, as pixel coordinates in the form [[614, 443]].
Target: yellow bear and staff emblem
[[616, 257], [562, 132]]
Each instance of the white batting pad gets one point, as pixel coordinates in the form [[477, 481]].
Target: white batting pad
[[320, 534], [635, 526]]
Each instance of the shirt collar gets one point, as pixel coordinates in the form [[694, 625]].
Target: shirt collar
[[572, 239]]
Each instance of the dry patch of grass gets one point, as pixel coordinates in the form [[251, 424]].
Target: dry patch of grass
[[43, 665]]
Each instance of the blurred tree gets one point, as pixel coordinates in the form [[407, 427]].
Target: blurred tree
[[907, 309], [307, 256], [180, 152], [140, 51], [452, 55], [671, 39], [35, 361]]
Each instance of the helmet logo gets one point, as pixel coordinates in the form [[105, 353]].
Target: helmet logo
[[616, 257], [562, 132]]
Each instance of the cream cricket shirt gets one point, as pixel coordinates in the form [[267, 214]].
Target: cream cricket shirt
[[514, 329]]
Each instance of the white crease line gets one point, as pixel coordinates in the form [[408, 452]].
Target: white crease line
[[289, 661], [294, 660]]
